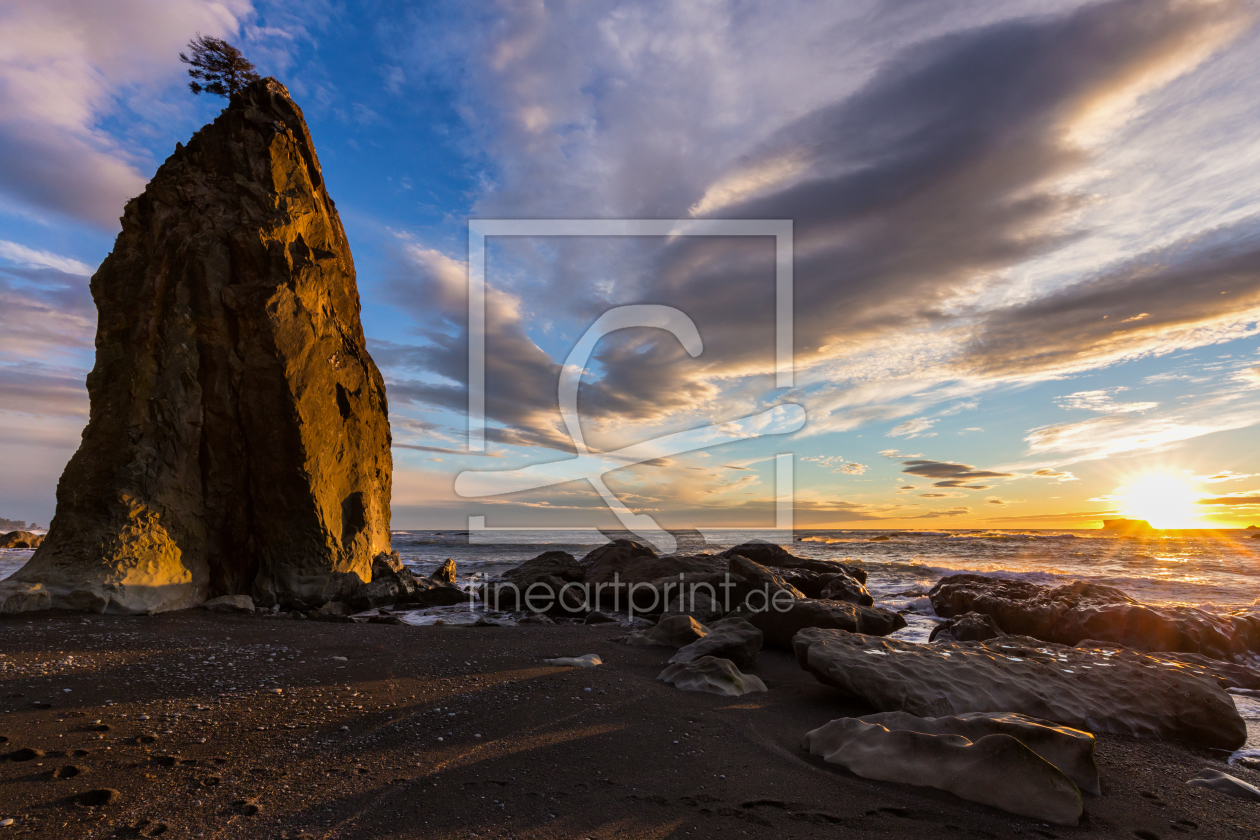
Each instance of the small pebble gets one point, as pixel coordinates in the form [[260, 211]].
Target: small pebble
[[6, 822]]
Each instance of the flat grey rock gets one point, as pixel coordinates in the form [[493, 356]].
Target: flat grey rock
[[589, 660], [1121, 692], [996, 770], [712, 675], [1071, 751], [1225, 783]]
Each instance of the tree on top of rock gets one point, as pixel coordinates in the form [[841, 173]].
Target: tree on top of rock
[[217, 66]]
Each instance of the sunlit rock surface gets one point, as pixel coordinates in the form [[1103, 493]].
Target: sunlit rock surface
[[238, 442]]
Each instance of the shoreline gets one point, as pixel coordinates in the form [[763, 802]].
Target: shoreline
[[632, 757]]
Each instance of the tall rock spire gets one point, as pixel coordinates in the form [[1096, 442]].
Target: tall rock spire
[[238, 441]]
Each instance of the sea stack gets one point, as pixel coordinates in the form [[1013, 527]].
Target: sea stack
[[238, 441]]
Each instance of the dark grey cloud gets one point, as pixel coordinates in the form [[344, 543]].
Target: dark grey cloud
[[1189, 294], [942, 171], [951, 475], [1231, 500]]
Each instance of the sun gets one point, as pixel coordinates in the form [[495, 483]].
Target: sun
[[1163, 500]]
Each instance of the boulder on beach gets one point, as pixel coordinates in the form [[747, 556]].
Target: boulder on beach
[[781, 626], [711, 675], [675, 631], [444, 573], [1071, 751], [968, 627], [698, 605], [777, 557], [21, 539], [1121, 692], [1225, 783], [543, 579], [1077, 611], [238, 441], [231, 604], [993, 769], [731, 638], [764, 581]]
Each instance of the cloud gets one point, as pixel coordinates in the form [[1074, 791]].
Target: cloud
[[31, 258], [914, 192], [1237, 499], [66, 67], [837, 464], [1115, 434], [912, 428], [1103, 401], [1061, 475], [942, 495], [952, 475]]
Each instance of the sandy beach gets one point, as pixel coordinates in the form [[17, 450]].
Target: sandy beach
[[216, 725]]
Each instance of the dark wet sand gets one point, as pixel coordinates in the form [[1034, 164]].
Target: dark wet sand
[[527, 751]]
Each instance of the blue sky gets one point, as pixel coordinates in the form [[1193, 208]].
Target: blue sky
[[1026, 240]]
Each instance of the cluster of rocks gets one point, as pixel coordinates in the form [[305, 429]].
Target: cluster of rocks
[[760, 583], [983, 607], [20, 539], [392, 585]]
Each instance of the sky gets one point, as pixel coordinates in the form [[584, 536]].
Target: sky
[[1026, 239]]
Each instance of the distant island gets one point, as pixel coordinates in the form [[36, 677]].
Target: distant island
[[12, 524], [1126, 525]]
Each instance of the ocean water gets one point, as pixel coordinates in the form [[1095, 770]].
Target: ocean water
[[1216, 570]]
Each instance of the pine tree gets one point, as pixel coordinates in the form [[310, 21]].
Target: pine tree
[[217, 66]]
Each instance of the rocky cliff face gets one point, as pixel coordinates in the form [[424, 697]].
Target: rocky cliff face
[[238, 441]]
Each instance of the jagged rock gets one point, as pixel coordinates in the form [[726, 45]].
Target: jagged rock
[[698, 605], [1225, 783], [844, 588], [968, 627], [781, 626], [386, 563], [1078, 611], [730, 638], [21, 539], [336, 609], [597, 617], [378, 593], [601, 563], [1119, 692], [1071, 751], [431, 594], [238, 441], [675, 631], [542, 578], [23, 597], [777, 557], [994, 769], [231, 604], [764, 584], [444, 573], [712, 675], [536, 618]]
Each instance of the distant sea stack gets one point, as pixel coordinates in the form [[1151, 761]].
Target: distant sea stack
[[238, 441], [1126, 525]]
